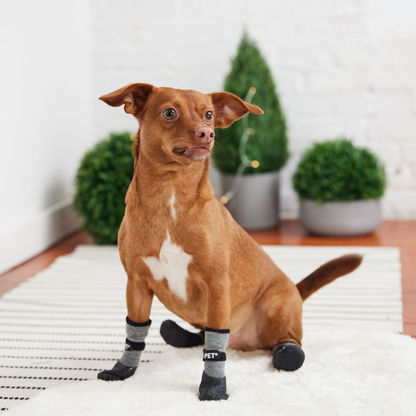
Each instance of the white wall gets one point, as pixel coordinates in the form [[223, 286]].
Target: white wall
[[45, 123], [342, 68]]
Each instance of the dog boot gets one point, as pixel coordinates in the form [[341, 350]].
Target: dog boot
[[213, 385], [288, 356], [178, 337], [127, 365]]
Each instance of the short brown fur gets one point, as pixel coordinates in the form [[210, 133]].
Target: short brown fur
[[232, 283]]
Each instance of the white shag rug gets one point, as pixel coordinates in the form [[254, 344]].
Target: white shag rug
[[346, 372], [67, 323]]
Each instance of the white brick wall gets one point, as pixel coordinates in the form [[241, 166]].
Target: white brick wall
[[342, 67]]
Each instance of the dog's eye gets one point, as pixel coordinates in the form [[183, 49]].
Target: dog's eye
[[208, 116], [169, 114]]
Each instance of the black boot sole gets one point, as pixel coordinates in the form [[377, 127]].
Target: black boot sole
[[288, 357], [178, 337]]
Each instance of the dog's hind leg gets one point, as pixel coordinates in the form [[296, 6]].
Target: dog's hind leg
[[287, 352], [178, 337], [284, 327]]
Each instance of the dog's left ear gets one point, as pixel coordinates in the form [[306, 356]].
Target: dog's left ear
[[229, 108], [133, 96]]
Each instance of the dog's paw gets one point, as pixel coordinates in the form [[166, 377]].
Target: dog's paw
[[178, 337], [288, 356], [212, 388], [118, 372]]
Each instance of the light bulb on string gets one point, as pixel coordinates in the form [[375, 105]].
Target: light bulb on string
[[223, 200], [245, 161]]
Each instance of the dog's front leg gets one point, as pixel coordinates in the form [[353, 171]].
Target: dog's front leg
[[139, 302], [213, 384]]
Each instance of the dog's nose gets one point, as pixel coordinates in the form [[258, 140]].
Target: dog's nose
[[205, 134]]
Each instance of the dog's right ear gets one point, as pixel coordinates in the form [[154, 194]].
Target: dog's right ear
[[229, 108], [133, 96]]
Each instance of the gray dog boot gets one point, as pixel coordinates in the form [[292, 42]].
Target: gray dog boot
[[127, 365], [213, 385]]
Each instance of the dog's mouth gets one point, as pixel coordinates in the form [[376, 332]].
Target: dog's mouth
[[193, 152]]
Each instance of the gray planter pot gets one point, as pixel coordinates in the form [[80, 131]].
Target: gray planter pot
[[348, 218], [256, 203]]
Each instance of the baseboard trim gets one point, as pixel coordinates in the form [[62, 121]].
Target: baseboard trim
[[42, 230]]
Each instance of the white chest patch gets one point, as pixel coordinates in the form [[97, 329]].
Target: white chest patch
[[171, 203], [172, 264]]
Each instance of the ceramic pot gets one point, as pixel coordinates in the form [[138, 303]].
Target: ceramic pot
[[345, 218], [256, 202]]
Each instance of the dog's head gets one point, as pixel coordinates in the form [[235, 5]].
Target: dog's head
[[178, 125]]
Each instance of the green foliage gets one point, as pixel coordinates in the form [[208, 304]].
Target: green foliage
[[338, 171], [268, 144], [101, 184]]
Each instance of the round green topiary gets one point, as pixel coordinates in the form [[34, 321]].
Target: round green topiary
[[338, 171], [101, 184], [268, 144]]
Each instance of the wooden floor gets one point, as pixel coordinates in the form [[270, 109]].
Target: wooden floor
[[400, 234]]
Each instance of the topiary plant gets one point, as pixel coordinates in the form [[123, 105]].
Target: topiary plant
[[268, 144], [338, 171], [101, 184]]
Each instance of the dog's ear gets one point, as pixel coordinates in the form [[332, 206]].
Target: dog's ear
[[133, 96], [229, 108]]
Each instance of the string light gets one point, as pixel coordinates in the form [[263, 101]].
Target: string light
[[245, 161], [223, 200]]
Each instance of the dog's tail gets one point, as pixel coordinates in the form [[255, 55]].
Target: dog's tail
[[327, 273]]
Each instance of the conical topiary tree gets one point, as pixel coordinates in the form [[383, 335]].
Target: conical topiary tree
[[268, 144]]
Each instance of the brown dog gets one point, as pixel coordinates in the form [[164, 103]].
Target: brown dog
[[178, 242]]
